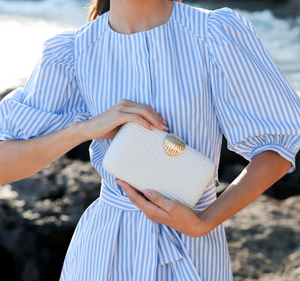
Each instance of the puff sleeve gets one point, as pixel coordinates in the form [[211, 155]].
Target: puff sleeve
[[50, 100], [256, 107]]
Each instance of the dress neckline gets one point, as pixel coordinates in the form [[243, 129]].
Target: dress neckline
[[131, 35]]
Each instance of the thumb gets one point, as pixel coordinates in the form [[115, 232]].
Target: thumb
[[158, 199]]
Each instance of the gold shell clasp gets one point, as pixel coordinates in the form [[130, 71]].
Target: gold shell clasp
[[173, 144]]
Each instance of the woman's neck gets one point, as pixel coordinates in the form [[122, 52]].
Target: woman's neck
[[131, 16]]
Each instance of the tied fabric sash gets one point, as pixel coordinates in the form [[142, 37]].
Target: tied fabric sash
[[163, 242]]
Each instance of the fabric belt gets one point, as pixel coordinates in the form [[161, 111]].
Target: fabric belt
[[163, 241]]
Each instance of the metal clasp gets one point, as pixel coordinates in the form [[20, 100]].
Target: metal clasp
[[174, 145]]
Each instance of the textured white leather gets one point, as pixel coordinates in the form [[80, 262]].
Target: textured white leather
[[137, 156]]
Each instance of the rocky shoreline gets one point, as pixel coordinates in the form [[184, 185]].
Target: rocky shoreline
[[39, 214], [264, 240]]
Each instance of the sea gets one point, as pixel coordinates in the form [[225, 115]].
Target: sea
[[25, 25]]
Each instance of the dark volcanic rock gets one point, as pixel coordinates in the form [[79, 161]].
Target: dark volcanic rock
[[80, 152], [264, 240], [38, 217], [231, 165]]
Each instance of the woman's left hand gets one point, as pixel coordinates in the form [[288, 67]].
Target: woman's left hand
[[166, 211]]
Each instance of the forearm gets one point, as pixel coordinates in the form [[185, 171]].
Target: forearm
[[262, 172], [22, 158]]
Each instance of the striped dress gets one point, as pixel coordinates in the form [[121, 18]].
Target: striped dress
[[207, 73]]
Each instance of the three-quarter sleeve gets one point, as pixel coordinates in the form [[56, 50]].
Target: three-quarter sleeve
[[256, 107], [51, 99]]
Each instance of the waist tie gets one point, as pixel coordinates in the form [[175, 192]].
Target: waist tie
[[157, 243]]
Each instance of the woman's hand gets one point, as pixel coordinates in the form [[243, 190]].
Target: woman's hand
[[107, 124], [169, 212]]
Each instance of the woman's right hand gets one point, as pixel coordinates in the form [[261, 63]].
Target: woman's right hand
[[107, 124]]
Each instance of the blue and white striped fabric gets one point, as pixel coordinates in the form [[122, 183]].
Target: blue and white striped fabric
[[207, 73]]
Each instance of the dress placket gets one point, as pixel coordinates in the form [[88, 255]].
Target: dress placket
[[143, 84]]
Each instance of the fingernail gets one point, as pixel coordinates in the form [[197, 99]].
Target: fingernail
[[152, 127], [147, 193], [164, 127]]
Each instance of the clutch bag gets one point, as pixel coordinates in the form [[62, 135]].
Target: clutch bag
[[160, 161]]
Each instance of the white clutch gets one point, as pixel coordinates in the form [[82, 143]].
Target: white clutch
[[160, 161]]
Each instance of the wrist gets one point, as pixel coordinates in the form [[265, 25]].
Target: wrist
[[77, 132]]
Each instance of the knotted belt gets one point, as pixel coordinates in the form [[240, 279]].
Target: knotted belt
[[163, 241]]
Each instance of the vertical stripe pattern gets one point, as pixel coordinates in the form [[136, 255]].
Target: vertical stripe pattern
[[207, 74], [256, 106]]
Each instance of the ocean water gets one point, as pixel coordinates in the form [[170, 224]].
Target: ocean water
[[25, 25]]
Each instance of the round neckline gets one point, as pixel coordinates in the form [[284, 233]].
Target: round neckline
[[140, 32]]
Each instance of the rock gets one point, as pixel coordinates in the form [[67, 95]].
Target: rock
[[232, 164], [80, 152], [232, 171], [264, 240], [39, 215]]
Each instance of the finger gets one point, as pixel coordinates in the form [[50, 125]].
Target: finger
[[150, 209], [146, 112], [161, 119], [133, 117], [131, 103], [140, 193], [160, 200], [133, 194]]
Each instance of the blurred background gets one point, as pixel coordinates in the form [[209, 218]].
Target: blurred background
[[39, 214]]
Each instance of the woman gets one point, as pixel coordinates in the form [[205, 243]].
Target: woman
[[202, 72]]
